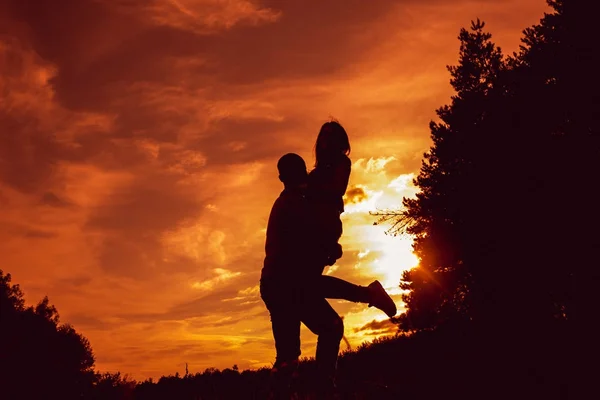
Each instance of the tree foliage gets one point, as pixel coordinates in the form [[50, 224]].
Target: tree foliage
[[39, 356], [507, 189]]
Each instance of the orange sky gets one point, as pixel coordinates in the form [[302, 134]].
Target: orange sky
[[138, 142]]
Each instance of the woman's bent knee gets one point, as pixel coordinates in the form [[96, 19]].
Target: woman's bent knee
[[338, 328]]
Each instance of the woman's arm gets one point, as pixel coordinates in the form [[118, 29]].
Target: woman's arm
[[341, 176], [331, 183]]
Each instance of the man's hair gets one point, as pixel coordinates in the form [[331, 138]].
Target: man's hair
[[292, 169]]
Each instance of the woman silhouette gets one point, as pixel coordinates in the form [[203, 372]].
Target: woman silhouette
[[327, 184]]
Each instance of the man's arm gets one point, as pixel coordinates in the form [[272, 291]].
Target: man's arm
[[289, 233], [296, 226]]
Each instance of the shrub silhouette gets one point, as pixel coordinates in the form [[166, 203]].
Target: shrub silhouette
[[39, 356]]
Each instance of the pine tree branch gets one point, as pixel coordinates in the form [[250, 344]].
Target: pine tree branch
[[399, 221]]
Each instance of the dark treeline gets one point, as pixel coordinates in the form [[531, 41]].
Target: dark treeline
[[504, 301]]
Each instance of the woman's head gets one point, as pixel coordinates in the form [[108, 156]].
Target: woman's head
[[332, 142]]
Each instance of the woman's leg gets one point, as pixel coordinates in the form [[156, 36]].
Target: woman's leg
[[375, 295], [331, 287], [322, 320]]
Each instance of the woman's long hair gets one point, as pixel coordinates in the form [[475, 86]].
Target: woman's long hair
[[332, 142]]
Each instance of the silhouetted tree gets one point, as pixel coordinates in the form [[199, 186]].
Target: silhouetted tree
[[507, 188], [113, 386], [561, 57], [444, 217], [39, 357]]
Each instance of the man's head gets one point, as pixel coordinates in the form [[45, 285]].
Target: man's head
[[292, 170]]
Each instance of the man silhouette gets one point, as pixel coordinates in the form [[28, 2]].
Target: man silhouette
[[293, 288]]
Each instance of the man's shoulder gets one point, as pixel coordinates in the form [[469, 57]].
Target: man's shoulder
[[288, 201], [289, 197]]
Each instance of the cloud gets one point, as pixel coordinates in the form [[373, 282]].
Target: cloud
[[374, 165], [202, 16], [132, 221], [208, 302], [404, 185], [38, 136], [222, 276], [378, 327], [37, 234], [52, 200], [85, 322], [355, 194], [148, 48]]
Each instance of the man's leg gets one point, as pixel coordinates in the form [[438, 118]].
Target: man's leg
[[322, 320], [286, 332], [285, 322], [375, 295]]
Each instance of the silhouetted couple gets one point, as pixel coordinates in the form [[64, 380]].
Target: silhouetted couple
[[302, 238]]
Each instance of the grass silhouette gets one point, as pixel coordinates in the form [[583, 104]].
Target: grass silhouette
[[458, 361]]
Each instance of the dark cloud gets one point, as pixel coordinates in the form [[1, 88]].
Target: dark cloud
[[87, 322], [4, 201], [333, 36], [28, 156], [229, 321], [220, 303], [76, 281], [133, 221], [129, 209], [306, 41], [378, 327], [355, 194], [52, 200], [213, 304], [123, 75], [31, 125], [72, 34], [234, 140], [22, 230], [40, 234]]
